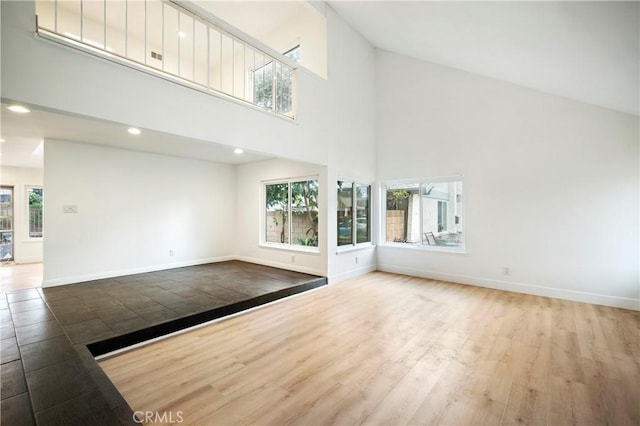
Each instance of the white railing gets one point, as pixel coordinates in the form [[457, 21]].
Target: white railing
[[164, 37]]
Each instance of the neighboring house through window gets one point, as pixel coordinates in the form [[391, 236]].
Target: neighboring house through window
[[427, 213]]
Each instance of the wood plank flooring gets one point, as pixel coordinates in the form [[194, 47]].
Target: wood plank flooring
[[20, 276], [392, 349]]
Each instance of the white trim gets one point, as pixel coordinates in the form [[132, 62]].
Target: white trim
[[131, 271], [25, 260], [354, 247], [290, 247], [288, 266], [336, 278], [536, 290], [425, 247]]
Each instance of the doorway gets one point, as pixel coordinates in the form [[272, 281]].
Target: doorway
[[6, 223]]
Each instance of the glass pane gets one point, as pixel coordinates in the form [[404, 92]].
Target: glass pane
[[293, 54], [249, 66], [45, 9], [35, 212], [403, 213], [93, 23], [170, 33], [442, 214], [238, 69], [284, 89], [135, 31], [345, 213], [226, 65], [214, 59], [116, 20], [200, 39], [304, 212], [69, 19], [153, 54], [263, 81], [363, 209], [185, 36], [277, 215]]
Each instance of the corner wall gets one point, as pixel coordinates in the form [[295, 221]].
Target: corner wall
[[132, 209], [26, 250], [551, 184]]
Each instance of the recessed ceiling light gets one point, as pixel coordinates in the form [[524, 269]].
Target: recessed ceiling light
[[238, 151], [134, 130], [182, 34], [2, 140], [19, 109]]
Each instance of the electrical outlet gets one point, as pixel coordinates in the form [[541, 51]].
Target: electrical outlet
[[506, 271], [356, 259], [293, 259], [171, 252]]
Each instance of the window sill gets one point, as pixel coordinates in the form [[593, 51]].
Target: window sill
[[33, 240], [287, 247], [361, 246], [441, 249]]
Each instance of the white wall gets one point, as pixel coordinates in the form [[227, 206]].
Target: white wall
[[26, 250], [350, 134], [250, 206], [133, 208], [551, 185]]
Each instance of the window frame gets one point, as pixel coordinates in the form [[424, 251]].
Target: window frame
[[289, 246], [355, 245], [28, 188], [462, 249]]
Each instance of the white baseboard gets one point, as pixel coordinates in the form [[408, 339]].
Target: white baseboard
[[336, 278], [23, 260], [576, 296], [289, 266], [121, 272]]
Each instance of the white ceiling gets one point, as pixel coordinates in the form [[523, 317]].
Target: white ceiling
[[583, 50], [24, 133]]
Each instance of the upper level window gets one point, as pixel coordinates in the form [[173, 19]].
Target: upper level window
[[293, 54], [426, 213], [291, 212], [263, 84], [165, 38], [354, 202], [35, 211]]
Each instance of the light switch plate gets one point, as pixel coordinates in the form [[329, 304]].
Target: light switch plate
[[70, 209]]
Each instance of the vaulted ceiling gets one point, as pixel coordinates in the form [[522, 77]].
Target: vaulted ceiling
[[583, 50]]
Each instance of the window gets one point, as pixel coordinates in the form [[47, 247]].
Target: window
[[354, 195], [292, 212], [263, 83], [35, 211], [425, 213]]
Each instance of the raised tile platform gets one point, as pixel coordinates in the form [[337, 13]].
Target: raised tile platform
[[50, 335]]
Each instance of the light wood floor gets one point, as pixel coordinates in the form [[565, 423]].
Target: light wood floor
[[19, 277], [390, 349]]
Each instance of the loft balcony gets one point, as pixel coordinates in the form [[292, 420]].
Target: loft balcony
[[170, 41]]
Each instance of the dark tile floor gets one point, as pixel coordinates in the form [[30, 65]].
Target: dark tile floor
[[49, 376]]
